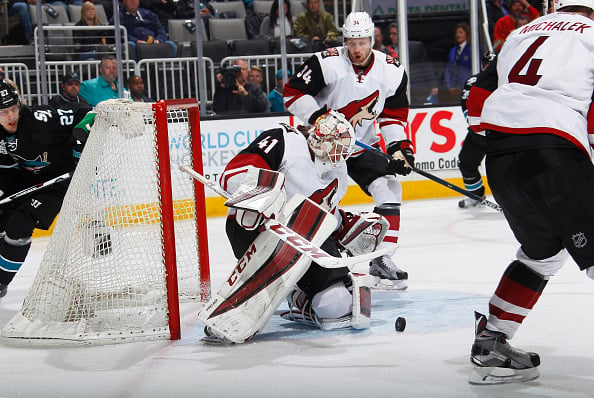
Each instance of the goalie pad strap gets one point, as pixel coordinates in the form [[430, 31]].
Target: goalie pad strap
[[361, 313]]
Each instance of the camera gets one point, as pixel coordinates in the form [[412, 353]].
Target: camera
[[51, 11], [190, 26], [230, 74]]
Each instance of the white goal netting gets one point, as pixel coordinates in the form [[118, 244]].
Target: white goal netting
[[102, 278]]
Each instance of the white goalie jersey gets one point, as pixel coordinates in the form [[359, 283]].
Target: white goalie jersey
[[328, 80], [285, 150]]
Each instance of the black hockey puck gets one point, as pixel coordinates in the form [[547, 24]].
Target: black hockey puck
[[400, 324]]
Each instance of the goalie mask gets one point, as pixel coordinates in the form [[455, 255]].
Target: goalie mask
[[332, 138]]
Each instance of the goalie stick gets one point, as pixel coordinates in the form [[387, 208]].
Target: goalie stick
[[432, 177], [35, 188], [292, 238]]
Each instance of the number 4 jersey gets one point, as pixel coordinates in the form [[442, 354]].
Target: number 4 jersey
[[545, 82]]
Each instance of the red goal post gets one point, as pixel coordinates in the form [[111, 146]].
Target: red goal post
[[131, 236]]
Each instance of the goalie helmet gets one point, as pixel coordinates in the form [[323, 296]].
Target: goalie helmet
[[9, 95], [332, 138], [357, 25], [566, 3]]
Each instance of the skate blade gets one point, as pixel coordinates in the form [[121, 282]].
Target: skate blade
[[299, 319], [216, 340], [376, 283], [494, 375]]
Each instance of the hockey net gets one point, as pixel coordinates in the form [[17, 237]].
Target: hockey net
[[130, 237]]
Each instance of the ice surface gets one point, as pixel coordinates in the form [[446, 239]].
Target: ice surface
[[454, 258]]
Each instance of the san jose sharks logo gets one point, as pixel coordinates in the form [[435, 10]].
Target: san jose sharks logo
[[357, 111], [34, 165]]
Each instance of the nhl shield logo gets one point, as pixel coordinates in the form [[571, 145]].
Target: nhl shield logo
[[579, 240]]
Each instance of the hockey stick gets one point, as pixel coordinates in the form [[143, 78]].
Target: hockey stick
[[292, 238], [438, 180], [34, 188]]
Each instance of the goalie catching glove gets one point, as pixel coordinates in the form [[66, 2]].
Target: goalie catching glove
[[361, 233], [402, 157], [260, 196]]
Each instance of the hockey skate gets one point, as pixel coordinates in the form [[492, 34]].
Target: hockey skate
[[386, 275], [3, 290], [468, 203], [300, 309], [496, 361], [212, 338]]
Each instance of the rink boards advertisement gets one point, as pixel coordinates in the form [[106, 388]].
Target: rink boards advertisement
[[437, 134]]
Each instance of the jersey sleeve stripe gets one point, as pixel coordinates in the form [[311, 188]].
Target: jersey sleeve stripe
[[400, 114], [291, 94]]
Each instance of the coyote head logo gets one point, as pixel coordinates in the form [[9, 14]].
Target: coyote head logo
[[357, 111]]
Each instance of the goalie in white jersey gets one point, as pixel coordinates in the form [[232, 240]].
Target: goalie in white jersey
[[282, 163], [535, 104], [365, 86]]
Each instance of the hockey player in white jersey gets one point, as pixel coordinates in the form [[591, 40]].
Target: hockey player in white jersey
[[366, 86], [539, 123], [282, 163]]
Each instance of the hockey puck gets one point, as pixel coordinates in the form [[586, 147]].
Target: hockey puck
[[400, 324]]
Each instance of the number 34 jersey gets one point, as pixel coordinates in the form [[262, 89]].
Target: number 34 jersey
[[545, 81]]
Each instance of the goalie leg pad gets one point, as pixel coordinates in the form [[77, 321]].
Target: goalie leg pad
[[265, 274]]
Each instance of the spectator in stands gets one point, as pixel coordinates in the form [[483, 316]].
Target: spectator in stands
[[143, 26], [270, 27], [506, 24], [239, 96], [495, 11], [459, 67], [276, 95], [103, 87], [424, 82], [378, 44], [255, 75], [89, 40], [69, 91], [21, 8], [316, 26], [136, 88]]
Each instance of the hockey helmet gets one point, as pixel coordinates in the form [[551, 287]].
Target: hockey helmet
[[332, 138], [9, 95], [566, 3], [358, 24]]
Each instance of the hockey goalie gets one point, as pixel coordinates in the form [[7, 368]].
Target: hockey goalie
[[310, 169]]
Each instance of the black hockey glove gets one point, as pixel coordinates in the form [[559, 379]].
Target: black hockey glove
[[402, 157]]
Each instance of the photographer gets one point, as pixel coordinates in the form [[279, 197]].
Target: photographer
[[234, 94]]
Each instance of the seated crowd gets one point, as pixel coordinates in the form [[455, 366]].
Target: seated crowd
[[308, 29]]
